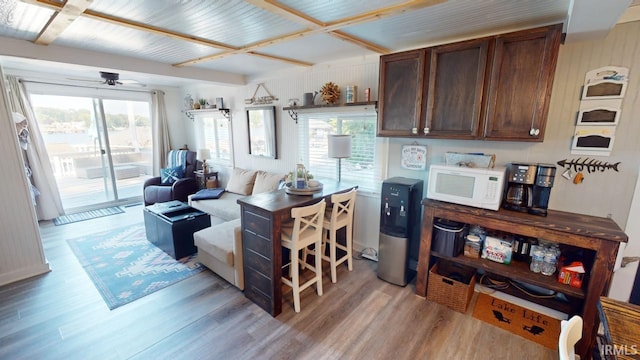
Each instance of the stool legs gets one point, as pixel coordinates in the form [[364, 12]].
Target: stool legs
[[295, 281]]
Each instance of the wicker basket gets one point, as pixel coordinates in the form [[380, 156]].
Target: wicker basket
[[451, 285]]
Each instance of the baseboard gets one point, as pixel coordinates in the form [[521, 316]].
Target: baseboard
[[24, 273]]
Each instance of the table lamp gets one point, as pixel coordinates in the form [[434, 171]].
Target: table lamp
[[339, 148], [203, 155]]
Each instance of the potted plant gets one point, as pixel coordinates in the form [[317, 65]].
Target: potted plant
[[299, 180], [203, 103]]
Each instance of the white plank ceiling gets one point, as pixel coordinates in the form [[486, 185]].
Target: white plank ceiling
[[232, 41]]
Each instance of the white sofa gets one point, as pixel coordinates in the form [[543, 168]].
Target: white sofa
[[220, 246]]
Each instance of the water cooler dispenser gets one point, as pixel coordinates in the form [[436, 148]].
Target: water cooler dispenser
[[400, 221]]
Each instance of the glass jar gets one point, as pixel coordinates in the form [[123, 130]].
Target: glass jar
[[479, 231], [472, 246]]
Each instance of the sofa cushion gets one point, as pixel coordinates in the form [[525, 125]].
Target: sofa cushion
[[266, 182], [241, 181], [226, 207], [218, 240]]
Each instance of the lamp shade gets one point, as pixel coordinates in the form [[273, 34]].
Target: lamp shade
[[339, 146], [203, 154]]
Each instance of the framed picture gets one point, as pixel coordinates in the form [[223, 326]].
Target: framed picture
[[414, 157]]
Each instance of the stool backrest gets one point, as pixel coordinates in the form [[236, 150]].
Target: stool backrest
[[307, 226], [343, 205], [570, 333]]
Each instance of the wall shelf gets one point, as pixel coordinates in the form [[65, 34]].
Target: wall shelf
[[293, 110], [191, 113]]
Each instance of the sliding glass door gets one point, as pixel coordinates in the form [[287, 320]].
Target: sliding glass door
[[99, 147]]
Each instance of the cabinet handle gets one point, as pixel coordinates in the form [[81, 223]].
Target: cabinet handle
[[414, 130], [426, 130], [534, 132]]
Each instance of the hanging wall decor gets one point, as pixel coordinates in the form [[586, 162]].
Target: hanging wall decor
[[575, 168], [600, 111], [261, 100], [414, 157]]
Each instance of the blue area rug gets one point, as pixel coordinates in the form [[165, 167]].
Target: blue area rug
[[125, 266]]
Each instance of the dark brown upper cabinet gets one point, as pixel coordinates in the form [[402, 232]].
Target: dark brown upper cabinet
[[493, 88], [402, 77], [519, 89], [456, 81]]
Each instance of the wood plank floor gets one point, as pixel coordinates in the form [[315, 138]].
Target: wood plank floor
[[61, 315]]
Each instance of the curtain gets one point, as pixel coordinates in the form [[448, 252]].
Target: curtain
[[161, 140], [48, 202]]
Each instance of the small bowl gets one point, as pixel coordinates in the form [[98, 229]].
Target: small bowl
[[313, 183]]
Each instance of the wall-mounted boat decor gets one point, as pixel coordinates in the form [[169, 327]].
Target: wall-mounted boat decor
[[600, 111], [609, 82], [593, 140]]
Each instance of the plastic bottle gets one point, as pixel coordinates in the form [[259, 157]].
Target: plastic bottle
[[549, 262], [537, 259]]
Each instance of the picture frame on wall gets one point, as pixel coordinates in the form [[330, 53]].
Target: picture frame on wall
[[414, 157]]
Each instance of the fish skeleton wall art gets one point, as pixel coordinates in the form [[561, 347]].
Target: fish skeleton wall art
[[591, 165]]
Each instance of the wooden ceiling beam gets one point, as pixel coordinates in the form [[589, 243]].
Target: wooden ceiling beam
[[60, 21], [156, 30], [316, 27]]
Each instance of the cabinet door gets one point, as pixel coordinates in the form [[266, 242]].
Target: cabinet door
[[401, 85], [455, 89], [520, 86]]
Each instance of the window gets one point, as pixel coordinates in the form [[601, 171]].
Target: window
[[216, 136], [367, 163]]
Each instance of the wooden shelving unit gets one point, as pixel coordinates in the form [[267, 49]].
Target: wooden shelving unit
[[293, 110], [191, 113], [596, 235]]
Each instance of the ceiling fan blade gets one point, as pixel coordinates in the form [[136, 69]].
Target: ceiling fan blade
[[86, 80], [131, 83]]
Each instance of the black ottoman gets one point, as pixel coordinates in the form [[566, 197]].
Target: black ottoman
[[170, 226]]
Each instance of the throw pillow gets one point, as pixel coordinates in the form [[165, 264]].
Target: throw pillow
[[241, 181], [266, 182], [170, 175]]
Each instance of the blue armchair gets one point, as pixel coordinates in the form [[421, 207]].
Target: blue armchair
[[154, 191]]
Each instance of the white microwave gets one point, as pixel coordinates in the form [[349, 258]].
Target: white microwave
[[478, 187]]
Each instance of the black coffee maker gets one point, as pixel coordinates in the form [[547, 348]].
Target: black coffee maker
[[542, 189], [519, 190]]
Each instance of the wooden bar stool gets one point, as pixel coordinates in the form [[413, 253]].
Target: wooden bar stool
[[339, 215], [306, 230]]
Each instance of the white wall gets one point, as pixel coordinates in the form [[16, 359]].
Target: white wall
[[21, 254], [601, 194]]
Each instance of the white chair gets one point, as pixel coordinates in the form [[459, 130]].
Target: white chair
[[570, 333], [306, 230], [339, 215]]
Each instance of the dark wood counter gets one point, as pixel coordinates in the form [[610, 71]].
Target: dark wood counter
[[262, 216], [601, 236]]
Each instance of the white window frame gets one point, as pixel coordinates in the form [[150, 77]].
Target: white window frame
[[211, 122], [372, 182]]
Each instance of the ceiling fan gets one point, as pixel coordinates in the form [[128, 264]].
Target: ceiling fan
[[113, 79]]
